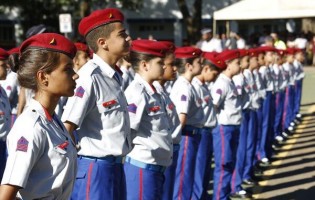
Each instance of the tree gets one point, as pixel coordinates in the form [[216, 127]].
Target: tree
[[191, 19]]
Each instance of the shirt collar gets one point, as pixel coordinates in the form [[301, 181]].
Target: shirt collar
[[149, 88], [225, 77], [105, 68], [198, 81], [35, 105]]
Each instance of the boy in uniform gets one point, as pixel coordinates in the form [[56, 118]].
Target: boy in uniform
[[226, 133], [99, 110], [211, 69]]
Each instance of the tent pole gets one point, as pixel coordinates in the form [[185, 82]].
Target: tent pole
[[214, 26], [227, 27]]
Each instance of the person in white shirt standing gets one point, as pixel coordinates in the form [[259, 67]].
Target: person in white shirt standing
[[208, 42]]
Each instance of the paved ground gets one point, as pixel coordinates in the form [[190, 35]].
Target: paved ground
[[292, 174]]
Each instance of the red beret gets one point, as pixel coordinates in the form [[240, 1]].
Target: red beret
[[267, 48], [50, 41], [151, 47], [228, 55], [81, 47], [212, 57], [281, 52], [253, 52], [298, 50], [170, 45], [3, 54], [187, 52], [14, 50], [243, 52], [99, 18], [290, 51]]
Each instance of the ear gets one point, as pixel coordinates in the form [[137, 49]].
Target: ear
[[42, 78], [101, 42], [75, 61], [188, 67], [143, 65]]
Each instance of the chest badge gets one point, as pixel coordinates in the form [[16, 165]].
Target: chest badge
[[155, 108], [109, 103]]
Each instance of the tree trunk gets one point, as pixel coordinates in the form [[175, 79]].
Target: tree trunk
[[192, 20]]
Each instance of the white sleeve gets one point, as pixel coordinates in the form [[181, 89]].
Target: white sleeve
[[25, 146]]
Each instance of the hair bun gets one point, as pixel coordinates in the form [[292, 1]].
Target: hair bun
[[13, 62]]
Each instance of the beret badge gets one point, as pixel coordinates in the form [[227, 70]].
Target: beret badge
[[53, 42]]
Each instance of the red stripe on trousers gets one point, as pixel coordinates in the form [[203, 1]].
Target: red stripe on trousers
[[140, 184], [88, 185], [182, 169], [222, 160]]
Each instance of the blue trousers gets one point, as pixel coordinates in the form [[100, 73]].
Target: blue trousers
[[225, 142], [298, 96], [184, 178], [99, 179], [288, 114], [250, 145], [267, 123], [169, 174], [142, 183], [3, 157], [259, 130], [237, 177], [203, 165], [277, 128]]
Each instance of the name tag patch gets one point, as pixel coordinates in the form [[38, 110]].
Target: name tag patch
[[109, 103]]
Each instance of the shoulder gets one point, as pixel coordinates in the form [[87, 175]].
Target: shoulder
[[26, 126], [134, 88], [88, 69]]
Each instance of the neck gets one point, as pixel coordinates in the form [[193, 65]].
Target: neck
[[109, 59], [188, 76], [48, 101], [162, 82], [201, 78], [228, 74]]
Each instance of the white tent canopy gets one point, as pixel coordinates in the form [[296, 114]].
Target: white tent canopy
[[267, 9]]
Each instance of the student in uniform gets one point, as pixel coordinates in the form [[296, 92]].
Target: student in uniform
[[5, 111], [299, 59], [41, 154], [191, 116], [242, 88], [281, 84], [288, 113], [99, 110], [255, 103], [267, 107], [210, 70], [151, 131], [170, 71], [226, 133]]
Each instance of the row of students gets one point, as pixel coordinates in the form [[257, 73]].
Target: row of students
[[129, 142]]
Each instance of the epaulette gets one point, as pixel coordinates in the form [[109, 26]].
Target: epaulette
[[88, 68], [30, 117], [139, 88]]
